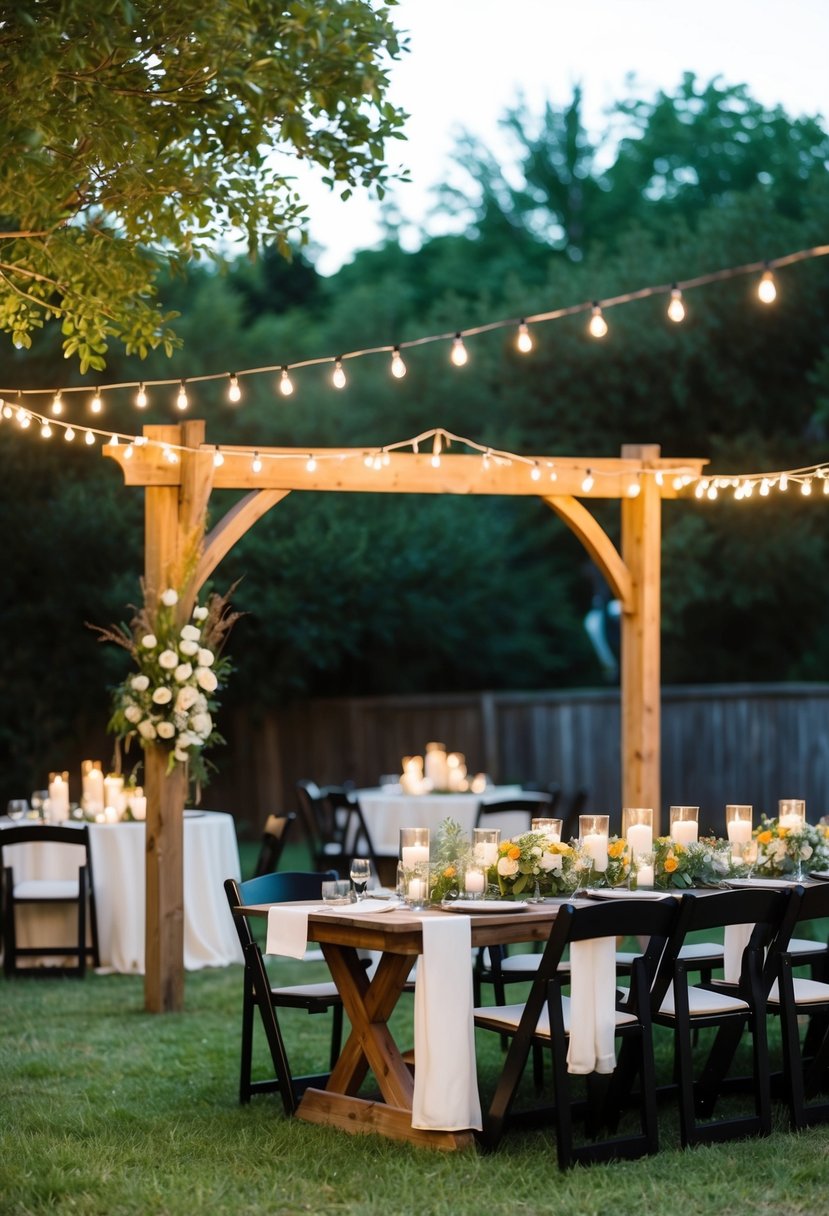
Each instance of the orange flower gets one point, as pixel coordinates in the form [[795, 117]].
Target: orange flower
[[514, 852], [449, 872], [764, 837], [671, 864]]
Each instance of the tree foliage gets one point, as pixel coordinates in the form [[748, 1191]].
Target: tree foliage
[[135, 133]]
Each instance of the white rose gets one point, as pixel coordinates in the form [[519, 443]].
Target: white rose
[[202, 724], [162, 696], [206, 679], [146, 729], [190, 633], [133, 714], [188, 648], [206, 657], [181, 756], [199, 614], [140, 683], [169, 597], [168, 660], [200, 704], [547, 861], [188, 739], [149, 641], [186, 699], [507, 867], [166, 730], [183, 672]]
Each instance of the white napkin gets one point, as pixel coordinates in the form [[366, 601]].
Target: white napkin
[[735, 940], [287, 931], [592, 1006], [446, 1079], [365, 907]]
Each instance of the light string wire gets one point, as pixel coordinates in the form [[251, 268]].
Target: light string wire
[[596, 307]]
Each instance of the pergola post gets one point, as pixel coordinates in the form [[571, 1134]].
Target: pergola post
[[640, 660], [174, 518]]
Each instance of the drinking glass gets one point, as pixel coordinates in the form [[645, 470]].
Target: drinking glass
[[17, 808], [38, 802], [360, 874]]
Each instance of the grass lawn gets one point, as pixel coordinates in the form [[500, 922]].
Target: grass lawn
[[106, 1109]]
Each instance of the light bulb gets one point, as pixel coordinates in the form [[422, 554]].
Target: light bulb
[[588, 482], [338, 375], [234, 393], [368, 460], [181, 399], [141, 397], [535, 473], [398, 367], [524, 340], [676, 309], [806, 488], [598, 325], [459, 354], [766, 289], [825, 486], [311, 464], [257, 463], [69, 434], [218, 459], [764, 487], [699, 490], [485, 459], [57, 405], [678, 483], [377, 462], [45, 431], [113, 441], [89, 439], [712, 492], [386, 460], [128, 452], [96, 405], [7, 410], [286, 384], [634, 489], [784, 482]]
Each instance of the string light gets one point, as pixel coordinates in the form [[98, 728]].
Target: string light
[[535, 472], [459, 354], [181, 399], [398, 367], [128, 452], [783, 483], [234, 393], [587, 484], [485, 460], [113, 441], [676, 309], [45, 431], [57, 404], [524, 339], [806, 488], [311, 465], [286, 384], [257, 463], [634, 489], [338, 378], [436, 448], [96, 405], [141, 397], [767, 288], [69, 434], [218, 458], [597, 325], [89, 438]]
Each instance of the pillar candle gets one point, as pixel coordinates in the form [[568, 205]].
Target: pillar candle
[[595, 845], [93, 787], [739, 831], [412, 854], [474, 882], [640, 838], [792, 823], [685, 831], [644, 876], [417, 889], [58, 798]]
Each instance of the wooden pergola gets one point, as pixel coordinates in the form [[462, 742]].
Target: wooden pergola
[[177, 493]]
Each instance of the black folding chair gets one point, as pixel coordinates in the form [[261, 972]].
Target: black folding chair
[[76, 891], [728, 1009], [274, 836], [259, 993], [545, 1020]]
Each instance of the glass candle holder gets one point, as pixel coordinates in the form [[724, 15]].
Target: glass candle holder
[[684, 824], [791, 814], [485, 843], [637, 829], [474, 882], [738, 827], [413, 875], [57, 806], [593, 835], [642, 871], [550, 827]]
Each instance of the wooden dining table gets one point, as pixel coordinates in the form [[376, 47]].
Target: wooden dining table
[[369, 1002]]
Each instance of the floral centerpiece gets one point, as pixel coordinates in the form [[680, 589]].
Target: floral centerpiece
[[532, 864], [779, 850], [705, 862], [172, 698]]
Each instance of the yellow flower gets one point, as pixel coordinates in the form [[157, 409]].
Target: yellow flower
[[617, 849], [671, 864], [764, 837], [449, 872], [782, 832]]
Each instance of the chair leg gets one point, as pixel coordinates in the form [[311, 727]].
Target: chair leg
[[245, 1064], [336, 1033]]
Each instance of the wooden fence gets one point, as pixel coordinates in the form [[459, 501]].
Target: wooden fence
[[720, 743]]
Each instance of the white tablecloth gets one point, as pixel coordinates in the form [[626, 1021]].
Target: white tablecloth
[[211, 855], [387, 812]]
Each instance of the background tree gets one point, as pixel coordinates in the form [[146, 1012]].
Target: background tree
[[139, 134]]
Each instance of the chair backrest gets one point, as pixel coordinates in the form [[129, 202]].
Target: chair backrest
[[772, 913], [539, 787], [271, 888], [43, 833], [277, 828], [529, 805]]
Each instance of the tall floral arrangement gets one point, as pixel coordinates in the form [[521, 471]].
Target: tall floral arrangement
[[172, 697]]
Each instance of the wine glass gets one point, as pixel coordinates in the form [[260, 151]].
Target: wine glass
[[17, 808], [360, 874]]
